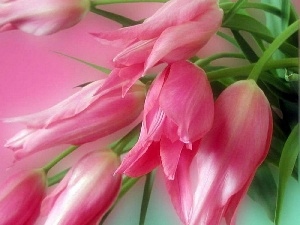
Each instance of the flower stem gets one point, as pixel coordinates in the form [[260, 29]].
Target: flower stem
[[245, 70], [278, 41], [48, 166]]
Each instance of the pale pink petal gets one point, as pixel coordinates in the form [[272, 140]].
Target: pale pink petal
[[231, 152], [187, 100]]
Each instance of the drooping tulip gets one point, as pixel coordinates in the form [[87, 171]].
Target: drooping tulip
[[175, 32], [86, 192], [41, 17], [81, 118], [178, 112], [21, 196], [228, 155]]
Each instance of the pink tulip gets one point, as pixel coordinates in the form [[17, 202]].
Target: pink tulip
[[41, 17], [86, 193], [21, 196], [81, 118], [228, 156], [178, 112], [175, 32]]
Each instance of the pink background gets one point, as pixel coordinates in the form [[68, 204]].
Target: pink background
[[34, 77]]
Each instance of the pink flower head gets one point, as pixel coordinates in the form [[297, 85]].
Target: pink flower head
[[81, 118], [175, 32], [178, 112], [228, 156], [86, 192], [21, 196], [41, 17]]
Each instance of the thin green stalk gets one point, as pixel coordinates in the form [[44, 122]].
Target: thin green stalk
[[245, 70], [278, 41], [146, 196], [208, 60], [124, 21], [47, 167], [106, 2], [57, 177]]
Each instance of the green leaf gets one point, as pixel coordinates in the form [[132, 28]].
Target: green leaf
[[246, 23], [124, 21], [286, 166], [279, 40], [100, 68], [233, 10], [263, 189], [146, 196]]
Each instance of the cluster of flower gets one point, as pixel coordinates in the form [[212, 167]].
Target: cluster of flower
[[208, 149]]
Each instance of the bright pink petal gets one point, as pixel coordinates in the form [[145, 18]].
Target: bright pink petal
[[179, 188], [187, 100], [170, 155], [140, 160], [231, 152]]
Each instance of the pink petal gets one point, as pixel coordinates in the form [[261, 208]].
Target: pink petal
[[170, 155], [231, 152], [179, 188], [141, 159], [193, 113]]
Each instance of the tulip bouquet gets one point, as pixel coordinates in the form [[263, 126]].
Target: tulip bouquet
[[217, 129]]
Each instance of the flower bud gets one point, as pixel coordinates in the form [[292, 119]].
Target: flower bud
[[81, 118], [21, 196], [41, 17], [86, 192]]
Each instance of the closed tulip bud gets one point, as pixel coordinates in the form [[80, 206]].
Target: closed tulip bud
[[230, 153], [41, 17], [81, 118], [86, 192], [21, 196]]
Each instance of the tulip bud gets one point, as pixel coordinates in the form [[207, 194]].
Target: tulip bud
[[81, 118], [230, 153], [21, 196], [86, 193], [41, 17]]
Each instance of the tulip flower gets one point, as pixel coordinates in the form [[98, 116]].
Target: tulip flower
[[175, 32], [41, 17], [81, 118], [178, 112], [228, 156], [21, 196], [86, 192]]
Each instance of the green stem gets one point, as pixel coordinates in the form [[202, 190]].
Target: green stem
[[57, 177], [146, 196], [106, 2], [47, 167], [278, 41], [124, 21], [245, 70], [208, 60]]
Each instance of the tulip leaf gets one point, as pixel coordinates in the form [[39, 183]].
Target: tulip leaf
[[263, 189], [100, 68], [233, 10], [286, 165], [146, 196], [241, 22], [124, 21]]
